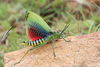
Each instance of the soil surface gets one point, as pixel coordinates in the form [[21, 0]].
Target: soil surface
[[82, 51]]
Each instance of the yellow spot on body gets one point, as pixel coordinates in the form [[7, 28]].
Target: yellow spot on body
[[40, 41], [37, 42], [34, 43], [25, 44]]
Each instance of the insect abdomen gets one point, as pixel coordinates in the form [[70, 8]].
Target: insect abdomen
[[35, 43]]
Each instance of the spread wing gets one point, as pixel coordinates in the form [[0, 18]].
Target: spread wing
[[36, 26]]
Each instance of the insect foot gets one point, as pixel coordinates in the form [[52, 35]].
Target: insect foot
[[16, 63]]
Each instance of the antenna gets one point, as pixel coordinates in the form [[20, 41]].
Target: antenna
[[6, 34], [66, 26]]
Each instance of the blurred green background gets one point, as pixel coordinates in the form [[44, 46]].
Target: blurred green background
[[54, 12]]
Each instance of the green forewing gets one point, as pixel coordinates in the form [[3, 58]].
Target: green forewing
[[34, 17]]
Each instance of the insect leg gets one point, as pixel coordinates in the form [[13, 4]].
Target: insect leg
[[66, 40], [28, 51], [53, 48]]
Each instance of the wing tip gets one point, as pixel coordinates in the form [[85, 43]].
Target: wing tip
[[26, 14]]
